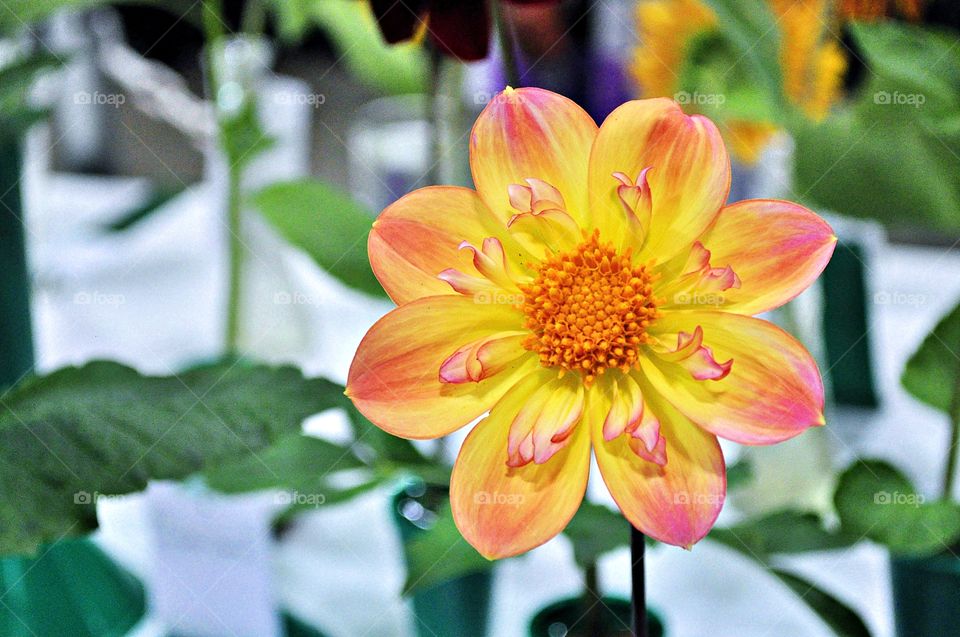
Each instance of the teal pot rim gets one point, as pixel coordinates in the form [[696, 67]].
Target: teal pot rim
[[539, 627]]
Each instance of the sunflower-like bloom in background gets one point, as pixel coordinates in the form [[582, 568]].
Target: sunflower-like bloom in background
[[812, 60]]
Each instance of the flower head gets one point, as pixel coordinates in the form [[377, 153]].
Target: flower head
[[811, 59], [594, 291], [459, 28]]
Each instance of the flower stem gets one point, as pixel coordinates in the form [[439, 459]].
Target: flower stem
[[435, 109], [950, 471], [234, 263], [592, 605], [254, 18], [638, 593], [213, 34], [505, 37]]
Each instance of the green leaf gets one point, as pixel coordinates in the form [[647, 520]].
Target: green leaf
[[392, 455], [916, 58], [739, 474], [305, 501], [440, 554], [751, 29], [876, 501], [595, 530], [292, 18], [709, 83], [297, 462], [105, 429], [156, 200], [890, 157], [932, 374], [242, 137], [841, 619], [303, 466], [781, 532], [19, 14], [16, 80], [758, 540], [325, 223], [393, 69]]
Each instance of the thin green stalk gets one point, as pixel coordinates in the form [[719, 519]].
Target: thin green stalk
[[950, 472], [505, 37], [214, 33], [234, 263], [254, 18], [592, 605], [435, 109]]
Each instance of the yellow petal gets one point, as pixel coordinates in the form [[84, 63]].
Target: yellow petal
[[689, 173], [530, 133], [772, 392], [676, 503], [419, 236], [776, 248], [395, 379], [503, 510]]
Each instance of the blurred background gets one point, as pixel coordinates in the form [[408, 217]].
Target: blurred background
[[186, 190]]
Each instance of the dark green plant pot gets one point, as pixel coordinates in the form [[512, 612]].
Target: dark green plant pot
[[459, 607], [71, 588], [926, 596], [846, 320], [293, 627], [566, 618], [16, 340]]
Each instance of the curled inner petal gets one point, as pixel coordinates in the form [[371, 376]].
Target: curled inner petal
[[542, 221], [637, 202], [468, 284], [491, 261], [700, 283], [695, 357], [535, 197], [630, 415], [543, 425], [551, 229], [482, 358]]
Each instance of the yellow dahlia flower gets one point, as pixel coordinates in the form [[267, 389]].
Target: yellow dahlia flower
[[812, 60], [594, 291]]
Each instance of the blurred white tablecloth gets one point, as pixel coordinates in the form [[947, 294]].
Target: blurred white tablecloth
[[153, 300]]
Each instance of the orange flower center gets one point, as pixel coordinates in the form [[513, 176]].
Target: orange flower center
[[589, 310]]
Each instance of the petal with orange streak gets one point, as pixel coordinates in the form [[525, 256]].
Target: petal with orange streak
[[773, 390], [776, 248], [394, 379], [418, 236], [677, 503], [529, 133], [689, 173], [502, 510]]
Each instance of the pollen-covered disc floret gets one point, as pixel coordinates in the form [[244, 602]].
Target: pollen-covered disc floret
[[589, 309]]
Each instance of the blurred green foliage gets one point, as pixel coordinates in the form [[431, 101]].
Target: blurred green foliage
[[892, 154], [932, 374], [106, 429], [875, 500], [327, 224]]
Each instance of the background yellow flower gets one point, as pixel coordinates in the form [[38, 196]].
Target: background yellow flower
[[811, 60]]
